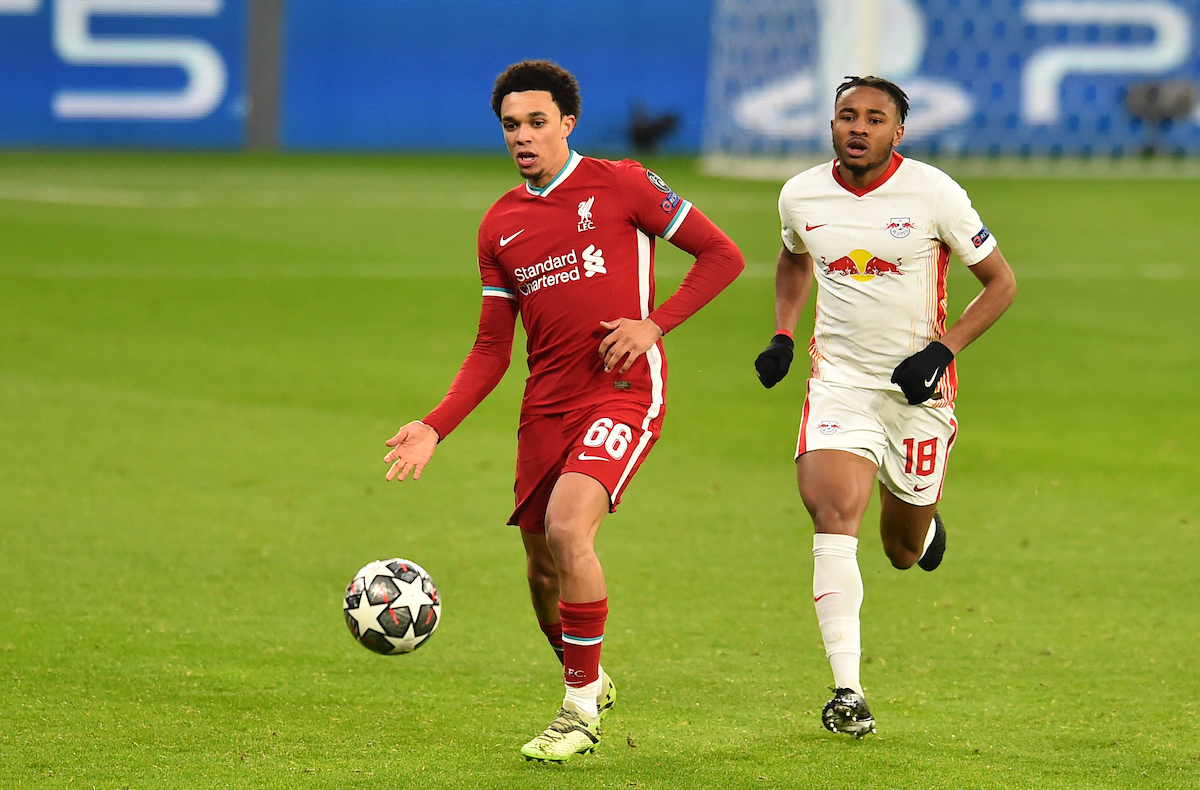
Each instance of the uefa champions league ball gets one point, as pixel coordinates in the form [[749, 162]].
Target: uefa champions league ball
[[392, 606]]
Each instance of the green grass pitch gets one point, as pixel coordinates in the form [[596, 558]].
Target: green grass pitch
[[201, 356]]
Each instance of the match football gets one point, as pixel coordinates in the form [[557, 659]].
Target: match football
[[392, 606]]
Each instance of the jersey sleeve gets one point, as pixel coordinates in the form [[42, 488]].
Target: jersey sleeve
[[718, 263], [496, 282], [656, 208], [489, 357], [791, 239], [959, 225], [659, 210]]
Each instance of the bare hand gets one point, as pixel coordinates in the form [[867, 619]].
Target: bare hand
[[629, 339], [414, 445]]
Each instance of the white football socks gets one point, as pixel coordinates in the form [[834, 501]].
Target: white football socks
[[837, 597], [584, 697], [929, 537]]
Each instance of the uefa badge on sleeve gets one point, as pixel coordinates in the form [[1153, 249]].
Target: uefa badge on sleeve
[[659, 184]]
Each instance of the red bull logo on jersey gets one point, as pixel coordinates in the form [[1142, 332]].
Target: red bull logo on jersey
[[861, 265]]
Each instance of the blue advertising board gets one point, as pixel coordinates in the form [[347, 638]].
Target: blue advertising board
[[122, 72], [990, 77], [414, 75]]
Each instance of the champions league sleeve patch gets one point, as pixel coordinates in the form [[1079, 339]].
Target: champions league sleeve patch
[[659, 184], [979, 238]]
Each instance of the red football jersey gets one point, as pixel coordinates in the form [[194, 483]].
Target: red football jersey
[[572, 254]]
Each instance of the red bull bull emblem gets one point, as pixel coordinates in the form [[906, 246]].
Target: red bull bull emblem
[[828, 427], [861, 265], [900, 227]]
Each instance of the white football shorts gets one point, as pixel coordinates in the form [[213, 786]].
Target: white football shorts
[[909, 444]]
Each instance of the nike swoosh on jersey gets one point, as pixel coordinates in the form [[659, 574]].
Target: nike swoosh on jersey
[[506, 239], [586, 457], [814, 227], [933, 378], [919, 489]]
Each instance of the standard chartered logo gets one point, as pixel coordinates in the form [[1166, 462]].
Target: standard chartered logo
[[556, 269], [201, 63], [593, 261]]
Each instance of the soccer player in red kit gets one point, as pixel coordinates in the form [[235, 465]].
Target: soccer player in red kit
[[572, 252]]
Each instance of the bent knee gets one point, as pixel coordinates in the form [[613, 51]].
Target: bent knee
[[902, 557], [542, 575], [834, 518]]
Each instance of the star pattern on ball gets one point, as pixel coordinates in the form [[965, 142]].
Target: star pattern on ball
[[367, 614], [397, 609], [412, 596]]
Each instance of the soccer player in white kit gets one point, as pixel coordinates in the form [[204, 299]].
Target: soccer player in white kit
[[876, 231]]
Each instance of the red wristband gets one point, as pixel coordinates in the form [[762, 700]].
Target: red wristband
[[785, 332]]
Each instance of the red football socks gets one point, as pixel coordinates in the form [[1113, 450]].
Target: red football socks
[[553, 632], [582, 636]]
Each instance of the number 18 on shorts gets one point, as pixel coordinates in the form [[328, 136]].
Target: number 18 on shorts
[[909, 444]]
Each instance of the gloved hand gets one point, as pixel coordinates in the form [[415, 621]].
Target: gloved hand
[[773, 363], [918, 376]]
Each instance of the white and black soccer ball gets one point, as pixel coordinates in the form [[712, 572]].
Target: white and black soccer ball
[[392, 606]]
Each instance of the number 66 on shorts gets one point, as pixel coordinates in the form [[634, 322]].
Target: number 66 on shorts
[[613, 438], [607, 442]]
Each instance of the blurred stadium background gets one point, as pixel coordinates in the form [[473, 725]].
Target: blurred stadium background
[[1013, 83]]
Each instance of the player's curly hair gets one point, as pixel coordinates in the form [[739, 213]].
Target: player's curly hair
[[538, 75], [879, 83]]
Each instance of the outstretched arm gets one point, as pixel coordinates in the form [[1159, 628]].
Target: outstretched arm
[[414, 444], [718, 263]]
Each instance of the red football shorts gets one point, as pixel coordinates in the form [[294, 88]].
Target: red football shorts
[[606, 442]]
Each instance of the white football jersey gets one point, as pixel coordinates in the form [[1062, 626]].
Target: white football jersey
[[881, 255]]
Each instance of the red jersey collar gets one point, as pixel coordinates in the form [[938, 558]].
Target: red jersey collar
[[876, 184]]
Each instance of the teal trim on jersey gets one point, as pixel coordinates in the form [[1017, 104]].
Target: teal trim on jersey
[[684, 208], [567, 169], [493, 291], [585, 641]]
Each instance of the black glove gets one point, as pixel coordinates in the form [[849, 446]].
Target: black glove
[[918, 376], [773, 363]]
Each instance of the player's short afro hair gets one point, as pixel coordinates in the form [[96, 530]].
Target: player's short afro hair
[[879, 83], [538, 75]]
